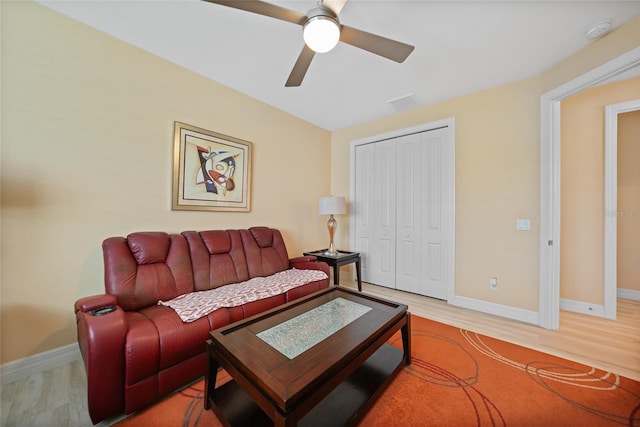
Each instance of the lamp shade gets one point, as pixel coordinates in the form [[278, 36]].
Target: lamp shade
[[332, 206]]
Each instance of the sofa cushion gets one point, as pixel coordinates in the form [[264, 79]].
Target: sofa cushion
[[304, 290], [146, 267], [149, 248], [177, 340], [141, 351], [255, 307], [218, 241], [265, 250], [218, 258]]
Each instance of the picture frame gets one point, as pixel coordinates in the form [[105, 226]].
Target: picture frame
[[211, 171]]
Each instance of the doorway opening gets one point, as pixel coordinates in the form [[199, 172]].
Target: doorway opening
[[549, 310], [611, 203]]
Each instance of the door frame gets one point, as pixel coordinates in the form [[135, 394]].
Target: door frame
[[448, 199], [549, 241], [611, 203]]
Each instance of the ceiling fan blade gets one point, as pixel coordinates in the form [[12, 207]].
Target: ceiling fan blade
[[390, 49], [300, 68], [335, 5], [264, 8]]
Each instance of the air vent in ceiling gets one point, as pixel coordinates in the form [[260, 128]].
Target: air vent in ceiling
[[403, 103]]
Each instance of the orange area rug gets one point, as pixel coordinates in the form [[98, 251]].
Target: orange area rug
[[460, 378]]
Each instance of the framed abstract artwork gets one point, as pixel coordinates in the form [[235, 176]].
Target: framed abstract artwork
[[211, 171]]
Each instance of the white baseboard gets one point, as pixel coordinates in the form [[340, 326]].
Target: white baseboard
[[629, 294], [582, 307], [596, 309], [513, 313], [30, 365]]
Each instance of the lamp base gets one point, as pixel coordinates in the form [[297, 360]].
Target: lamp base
[[332, 224]]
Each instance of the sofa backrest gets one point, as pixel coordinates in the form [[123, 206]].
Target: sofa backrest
[[265, 251], [218, 258], [146, 267]]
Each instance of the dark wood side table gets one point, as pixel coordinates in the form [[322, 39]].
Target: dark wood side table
[[338, 260]]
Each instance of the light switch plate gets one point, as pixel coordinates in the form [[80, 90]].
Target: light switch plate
[[523, 224]]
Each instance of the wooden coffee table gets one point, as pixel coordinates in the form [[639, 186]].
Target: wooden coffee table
[[320, 360]]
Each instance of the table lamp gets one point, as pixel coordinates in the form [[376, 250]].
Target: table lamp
[[332, 206]]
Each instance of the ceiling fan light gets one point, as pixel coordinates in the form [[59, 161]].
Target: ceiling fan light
[[321, 33]]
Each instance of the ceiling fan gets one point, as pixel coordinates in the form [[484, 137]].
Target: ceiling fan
[[323, 16]]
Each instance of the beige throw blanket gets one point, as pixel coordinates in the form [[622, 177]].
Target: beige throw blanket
[[195, 305]]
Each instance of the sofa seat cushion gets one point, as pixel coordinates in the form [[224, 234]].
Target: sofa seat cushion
[[142, 353], [255, 307], [304, 290], [177, 341], [195, 305]]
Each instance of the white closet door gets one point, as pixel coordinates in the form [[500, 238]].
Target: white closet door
[[362, 207], [383, 259], [410, 188], [419, 261], [375, 212], [436, 216], [404, 210]]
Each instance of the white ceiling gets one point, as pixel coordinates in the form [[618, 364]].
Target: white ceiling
[[461, 47]]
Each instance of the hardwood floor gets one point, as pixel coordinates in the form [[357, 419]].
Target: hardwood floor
[[57, 396], [613, 345], [52, 398]]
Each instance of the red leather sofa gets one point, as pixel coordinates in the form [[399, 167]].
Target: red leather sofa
[[136, 351]]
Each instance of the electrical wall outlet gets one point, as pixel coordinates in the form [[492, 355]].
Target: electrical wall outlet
[[493, 283]]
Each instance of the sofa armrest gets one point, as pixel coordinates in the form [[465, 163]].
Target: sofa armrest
[[309, 263], [95, 302], [102, 329], [306, 258]]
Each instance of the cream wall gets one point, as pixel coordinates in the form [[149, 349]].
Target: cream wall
[[496, 183], [497, 172], [582, 189], [86, 151]]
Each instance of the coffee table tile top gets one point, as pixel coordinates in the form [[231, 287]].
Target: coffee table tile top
[[295, 336]]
